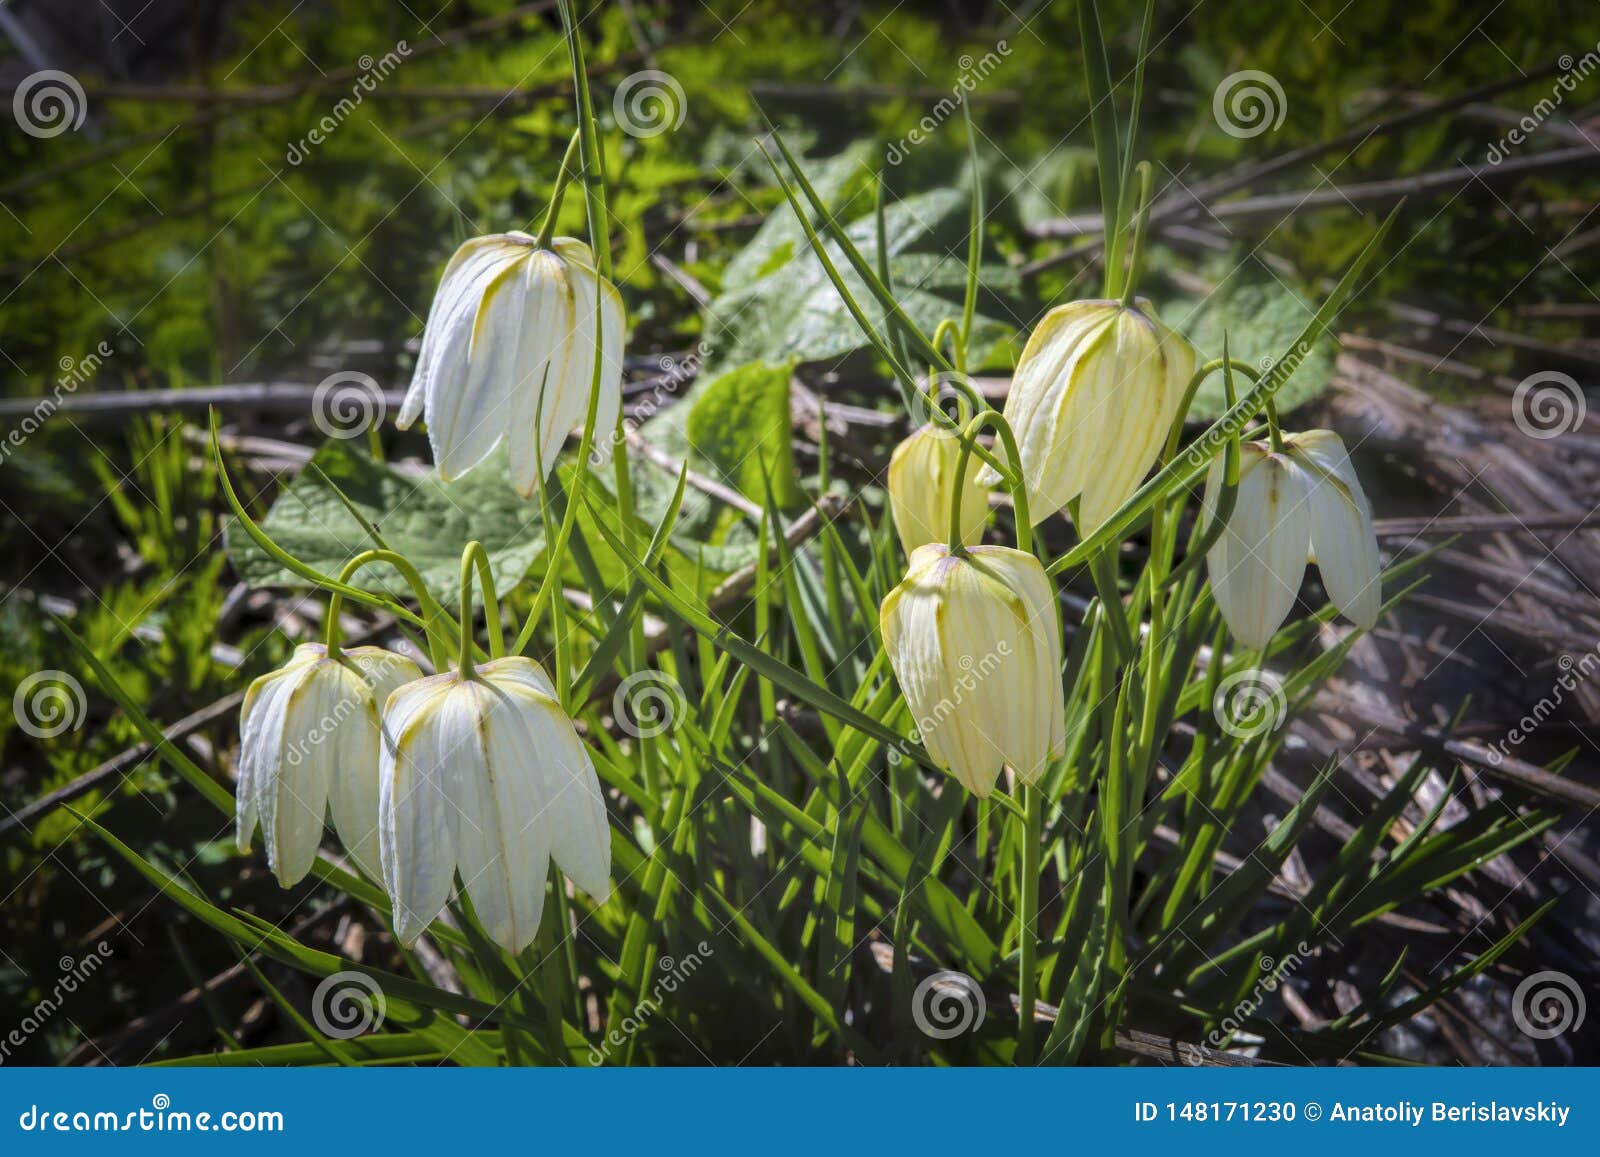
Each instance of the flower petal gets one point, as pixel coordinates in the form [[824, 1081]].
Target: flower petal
[[1343, 540], [1260, 558], [354, 795], [501, 835], [454, 304], [975, 646], [574, 813], [416, 841], [292, 796]]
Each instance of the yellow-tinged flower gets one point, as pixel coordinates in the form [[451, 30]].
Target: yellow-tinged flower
[[309, 738], [1301, 504], [508, 353], [485, 774], [974, 640], [1092, 399], [922, 478]]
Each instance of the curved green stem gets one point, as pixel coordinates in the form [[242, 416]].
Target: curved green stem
[[1175, 432], [1274, 431], [937, 417], [950, 328], [433, 613], [563, 176], [1011, 475], [282, 557]]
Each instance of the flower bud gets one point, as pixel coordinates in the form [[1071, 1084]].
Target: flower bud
[[1093, 396], [484, 774], [922, 478], [508, 354], [975, 643], [309, 737], [1302, 503]]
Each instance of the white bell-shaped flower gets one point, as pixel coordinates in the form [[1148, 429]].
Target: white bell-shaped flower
[[310, 738], [1094, 394], [974, 641], [508, 352], [1301, 504], [922, 479], [484, 774]]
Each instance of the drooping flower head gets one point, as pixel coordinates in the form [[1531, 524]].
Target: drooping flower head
[[508, 353], [310, 738], [922, 476], [974, 641], [484, 774], [1303, 503], [1094, 393]]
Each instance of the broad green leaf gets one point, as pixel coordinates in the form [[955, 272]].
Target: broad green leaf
[[739, 426], [1263, 316], [843, 181], [426, 520], [792, 310]]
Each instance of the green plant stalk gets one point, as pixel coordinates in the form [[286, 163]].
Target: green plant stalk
[[563, 175], [1274, 431], [848, 247], [1141, 227], [1137, 104], [600, 241], [287, 560], [969, 299], [1108, 146], [1028, 914], [474, 556], [550, 961], [1010, 475]]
